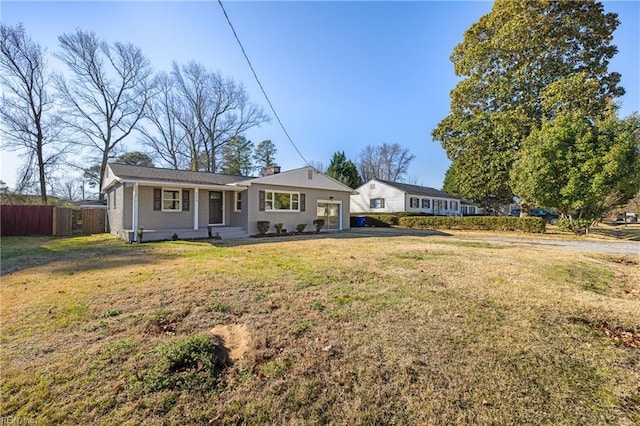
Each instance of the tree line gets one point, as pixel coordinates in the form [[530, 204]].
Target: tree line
[[188, 118]]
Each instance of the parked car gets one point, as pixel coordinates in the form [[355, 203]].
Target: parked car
[[548, 215]]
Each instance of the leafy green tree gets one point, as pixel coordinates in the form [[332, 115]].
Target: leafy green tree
[[522, 63], [135, 158], [344, 170], [265, 155], [236, 156], [580, 167]]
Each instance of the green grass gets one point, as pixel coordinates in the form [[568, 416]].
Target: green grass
[[339, 330]]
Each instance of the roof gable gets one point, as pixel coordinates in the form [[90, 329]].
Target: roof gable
[[305, 177]]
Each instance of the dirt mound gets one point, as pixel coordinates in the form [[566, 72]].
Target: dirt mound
[[235, 339]]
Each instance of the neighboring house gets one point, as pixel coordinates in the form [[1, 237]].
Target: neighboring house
[[378, 196], [164, 202]]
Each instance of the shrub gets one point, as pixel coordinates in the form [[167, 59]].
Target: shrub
[[318, 224], [577, 226], [140, 234], [384, 220], [476, 223], [301, 227], [263, 226], [175, 237], [278, 227], [185, 363]]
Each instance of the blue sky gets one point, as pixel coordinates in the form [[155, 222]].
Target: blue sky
[[341, 75]]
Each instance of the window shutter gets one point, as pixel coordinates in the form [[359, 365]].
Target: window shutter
[[302, 202], [157, 199], [371, 203], [261, 201], [185, 200], [382, 203]]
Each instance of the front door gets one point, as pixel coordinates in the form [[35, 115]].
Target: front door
[[330, 213], [215, 208]]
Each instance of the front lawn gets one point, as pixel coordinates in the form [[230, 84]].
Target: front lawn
[[337, 328]]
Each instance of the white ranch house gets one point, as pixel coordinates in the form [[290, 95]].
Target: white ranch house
[[166, 201], [378, 196]]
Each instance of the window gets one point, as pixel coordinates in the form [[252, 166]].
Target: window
[[426, 203], [238, 203], [453, 205], [282, 201], [414, 203], [376, 203], [171, 200]]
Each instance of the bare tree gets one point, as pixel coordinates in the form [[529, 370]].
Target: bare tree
[[167, 137], [211, 110], [69, 188], [28, 121], [108, 93], [385, 162]]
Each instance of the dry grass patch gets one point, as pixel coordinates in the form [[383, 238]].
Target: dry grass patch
[[338, 329]]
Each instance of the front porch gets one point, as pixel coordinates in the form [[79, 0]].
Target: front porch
[[218, 232]]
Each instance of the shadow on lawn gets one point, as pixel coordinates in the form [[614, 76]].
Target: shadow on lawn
[[368, 232], [74, 254]]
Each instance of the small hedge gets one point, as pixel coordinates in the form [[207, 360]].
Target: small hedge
[[384, 220], [534, 225]]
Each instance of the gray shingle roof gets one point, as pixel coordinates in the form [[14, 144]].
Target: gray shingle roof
[[127, 172], [420, 190]]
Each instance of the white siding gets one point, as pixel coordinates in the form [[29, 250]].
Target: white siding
[[394, 199]]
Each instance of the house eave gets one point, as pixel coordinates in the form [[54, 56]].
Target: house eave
[[173, 184]]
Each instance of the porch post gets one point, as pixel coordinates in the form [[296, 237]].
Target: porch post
[[196, 203], [134, 218]]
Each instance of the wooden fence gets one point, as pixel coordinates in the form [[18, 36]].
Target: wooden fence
[[93, 220], [35, 220]]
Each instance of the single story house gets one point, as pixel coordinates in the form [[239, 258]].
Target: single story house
[[379, 196], [163, 202]]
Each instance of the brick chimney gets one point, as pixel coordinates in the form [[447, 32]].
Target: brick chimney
[[271, 170]]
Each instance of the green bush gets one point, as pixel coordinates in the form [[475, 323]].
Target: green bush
[[318, 224], [186, 363], [384, 220], [577, 226], [278, 227], [476, 223], [301, 227], [263, 226]]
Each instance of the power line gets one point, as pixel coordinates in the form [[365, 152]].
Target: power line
[[260, 84]]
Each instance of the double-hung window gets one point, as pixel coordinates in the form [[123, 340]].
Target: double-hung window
[[170, 200], [426, 203], [238, 203], [414, 203], [376, 203]]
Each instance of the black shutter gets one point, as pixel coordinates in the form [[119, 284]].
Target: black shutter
[[303, 201], [261, 201], [185, 200], [157, 199], [382, 203], [371, 202]]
